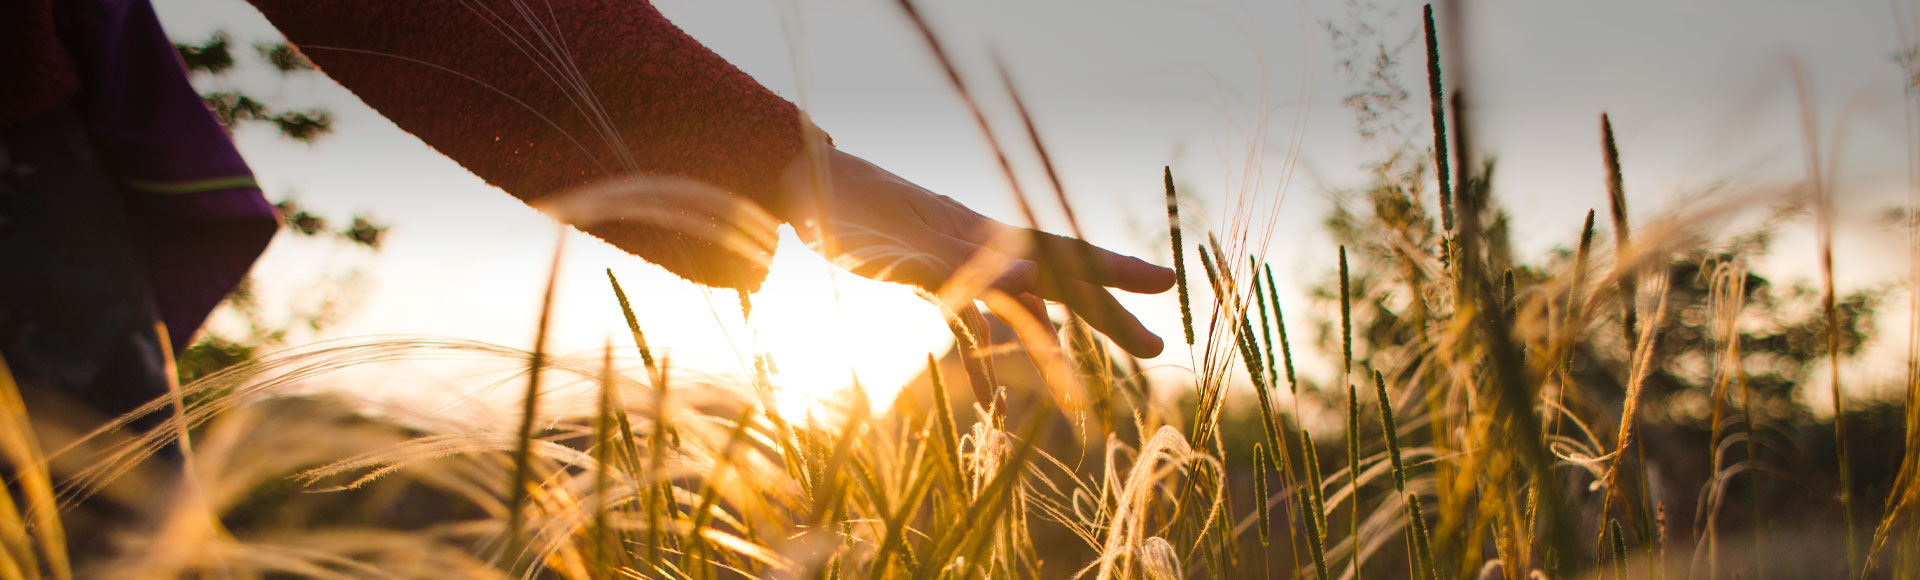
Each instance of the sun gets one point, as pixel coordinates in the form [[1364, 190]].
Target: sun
[[824, 328]]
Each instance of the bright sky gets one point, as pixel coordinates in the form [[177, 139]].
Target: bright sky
[[1698, 92]]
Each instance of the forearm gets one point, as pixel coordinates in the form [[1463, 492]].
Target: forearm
[[537, 103]]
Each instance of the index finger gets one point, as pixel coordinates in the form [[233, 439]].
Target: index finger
[[1076, 259]]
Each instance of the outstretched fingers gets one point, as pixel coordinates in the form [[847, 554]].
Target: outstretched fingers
[[1076, 259], [1101, 311], [1077, 274]]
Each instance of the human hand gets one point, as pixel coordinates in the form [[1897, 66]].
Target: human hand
[[886, 228]]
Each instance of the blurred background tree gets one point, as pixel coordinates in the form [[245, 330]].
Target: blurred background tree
[[1770, 447], [249, 323]]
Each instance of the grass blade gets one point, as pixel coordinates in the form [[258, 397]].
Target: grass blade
[[948, 435], [1392, 432], [1422, 545], [1346, 320], [1316, 538], [604, 552], [529, 411], [1353, 472], [633, 323], [1622, 233], [1260, 489], [1280, 324], [1314, 483], [1618, 544], [1823, 216], [1441, 163], [26, 464], [1266, 326], [1179, 257]]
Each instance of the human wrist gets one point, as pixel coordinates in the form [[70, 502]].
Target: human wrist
[[805, 175]]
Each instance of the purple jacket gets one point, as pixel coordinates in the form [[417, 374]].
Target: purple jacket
[[196, 211]]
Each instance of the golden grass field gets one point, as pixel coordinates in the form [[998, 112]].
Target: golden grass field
[[1490, 420]]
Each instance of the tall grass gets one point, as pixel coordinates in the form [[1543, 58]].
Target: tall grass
[[529, 413], [33, 538], [1823, 210], [1179, 257], [1502, 458]]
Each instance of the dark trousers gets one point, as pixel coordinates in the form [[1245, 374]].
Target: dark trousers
[[77, 314]]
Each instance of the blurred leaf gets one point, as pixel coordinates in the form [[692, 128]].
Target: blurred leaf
[[304, 126], [300, 220], [283, 57], [212, 353], [231, 107], [365, 232], [211, 57]]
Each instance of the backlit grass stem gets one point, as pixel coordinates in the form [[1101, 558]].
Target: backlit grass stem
[[633, 323], [1823, 213], [1280, 328], [1622, 232], [1316, 485], [1266, 326], [1617, 543], [1179, 256], [1346, 319], [1388, 427], [1316, 538], [1260, 489], [1441, 163], [1422, 544], [1353, 472]]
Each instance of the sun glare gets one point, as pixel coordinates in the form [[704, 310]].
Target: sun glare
[[825, 328]]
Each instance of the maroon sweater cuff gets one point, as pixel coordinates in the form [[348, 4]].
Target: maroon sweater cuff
[[539, 101]]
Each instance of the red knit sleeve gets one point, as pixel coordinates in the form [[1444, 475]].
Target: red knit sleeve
[[36, 73], [539, 97]]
